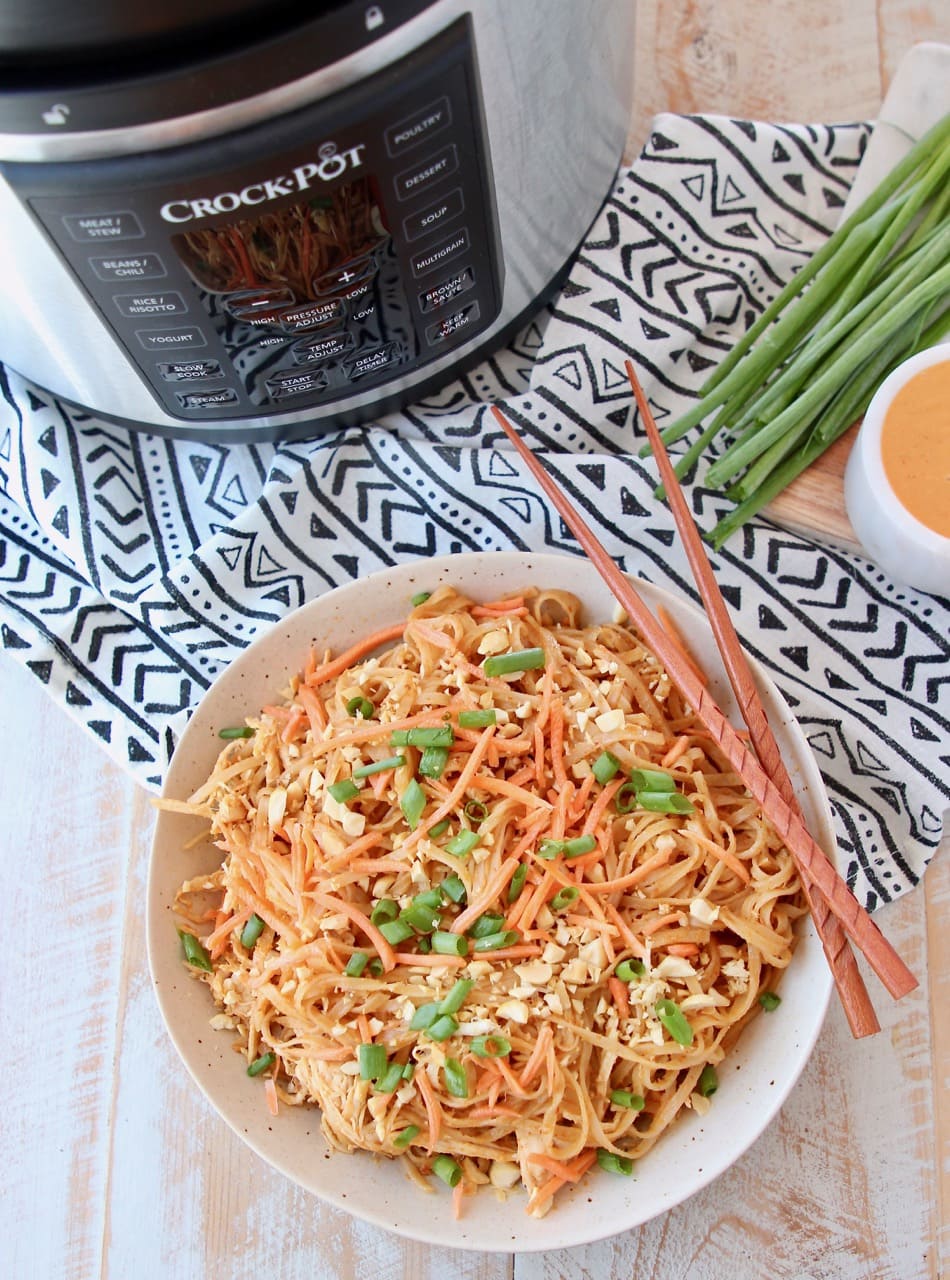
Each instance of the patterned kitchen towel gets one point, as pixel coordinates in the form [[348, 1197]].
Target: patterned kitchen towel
[[133, 568]]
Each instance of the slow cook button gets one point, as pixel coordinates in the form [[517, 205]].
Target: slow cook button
[[188, 370], [171, 339], [151, 304], [450, 325], [207, 399], [136, 266], [290, 383], [370, 362], [96, 227], [311, 350], [434, 216], [433, 169], [438, 254], [419, 127], [312, 315], [438, 295]]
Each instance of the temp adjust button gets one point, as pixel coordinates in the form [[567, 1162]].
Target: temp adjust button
[[290, 383], [88, 227], [311, 350], [438, 295], [434, 216], [189, 370], [433, 169], [136, 266], [450, 325], [151, 304], [207, 399]]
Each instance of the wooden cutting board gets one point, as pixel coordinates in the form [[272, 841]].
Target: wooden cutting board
[[814, 503]]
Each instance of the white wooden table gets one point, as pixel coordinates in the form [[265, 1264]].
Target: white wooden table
[[116, 1167]]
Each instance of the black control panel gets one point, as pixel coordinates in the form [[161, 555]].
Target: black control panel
[[298, 262]]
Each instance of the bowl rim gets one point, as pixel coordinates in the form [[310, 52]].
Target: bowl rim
[[578, 1222]]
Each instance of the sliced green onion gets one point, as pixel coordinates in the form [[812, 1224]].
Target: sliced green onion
[[422, 918], [344, 790], [630, 970], [419, 598], [444, 1026], [433, 761], [408, 1071], [399, 738], [404, 1138], [624, 1098], [506, 664], [412, 802], [626, 798], [252, 930], [439, 829], [356, 964], [261, 1064], [453, 888], [462, 844], [567, 848], [475, 810], [239, 731], [493, 1046], [438, 736], [487, 923], [456, 1078], [430, 898], [385, 909], [378, 766], [494, 941], [456, 997], [479, 719], [517, 882], [449, 944], [376, 967], [391, 1078], [708, 1081], [664, 802], [360, 706], [447, 1169], [605, 766], [423, 944], [565, 898], [652, 780], [769, 1001], [372, 1060], [613, 1163], [674, 1020], [195, 953], [396, 931], [424, 1017]]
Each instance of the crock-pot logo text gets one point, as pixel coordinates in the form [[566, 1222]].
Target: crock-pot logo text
[[331, 164]]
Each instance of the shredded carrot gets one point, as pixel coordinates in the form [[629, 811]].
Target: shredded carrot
[[461, 783], [270, 1095], [492, 1109], [458, 1192], [495, 607], [600, 804], [554, 1184], [328, 670], [217, 939], [511, 1080], [659, 922], [432, 1105], [675, 751], [568, 1171], [557, 742], [518, 952], [362, 922], [618, 989], [294, 726], [724, 855], [431, 959], [642, 872], [381, 728], [534, 1063], [432, 634], [496, 885], [538, 755], [629, 937], [365, 1034]]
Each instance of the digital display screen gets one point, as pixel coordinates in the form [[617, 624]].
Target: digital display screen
[[301, 251]]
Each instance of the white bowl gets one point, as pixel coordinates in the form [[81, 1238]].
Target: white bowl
[[754, 1080], [905, 548]]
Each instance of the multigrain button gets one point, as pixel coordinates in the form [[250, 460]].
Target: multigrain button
[[133, 266], [451, 324], [434, 216], [207, 399], [190, 370], [171, 339], [439, 254], [311, 350], [426, 172], [92, 227], [291, 383], [437, 295], [150, 304], [418, 128]]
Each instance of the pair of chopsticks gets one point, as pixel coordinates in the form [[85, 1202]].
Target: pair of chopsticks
[[837, 914]]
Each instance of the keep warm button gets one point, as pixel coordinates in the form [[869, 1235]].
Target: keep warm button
[[450, 325], [133, 266]]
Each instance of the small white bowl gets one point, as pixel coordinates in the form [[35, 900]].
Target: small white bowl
[[906, 549]]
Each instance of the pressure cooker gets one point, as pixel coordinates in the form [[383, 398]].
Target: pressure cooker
[[245, 219]]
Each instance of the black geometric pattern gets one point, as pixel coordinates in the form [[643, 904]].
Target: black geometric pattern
[[132, 568]]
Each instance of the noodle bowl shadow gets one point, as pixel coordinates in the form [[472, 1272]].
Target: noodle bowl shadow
[[755, 1078]]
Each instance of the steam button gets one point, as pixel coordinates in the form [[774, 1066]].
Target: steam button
[[207, 399]]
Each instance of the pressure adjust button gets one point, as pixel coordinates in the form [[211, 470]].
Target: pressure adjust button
[[427, 172], [311, 315]]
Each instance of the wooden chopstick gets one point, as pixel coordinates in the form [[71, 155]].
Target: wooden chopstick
[[859, 926], [844, 967]]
